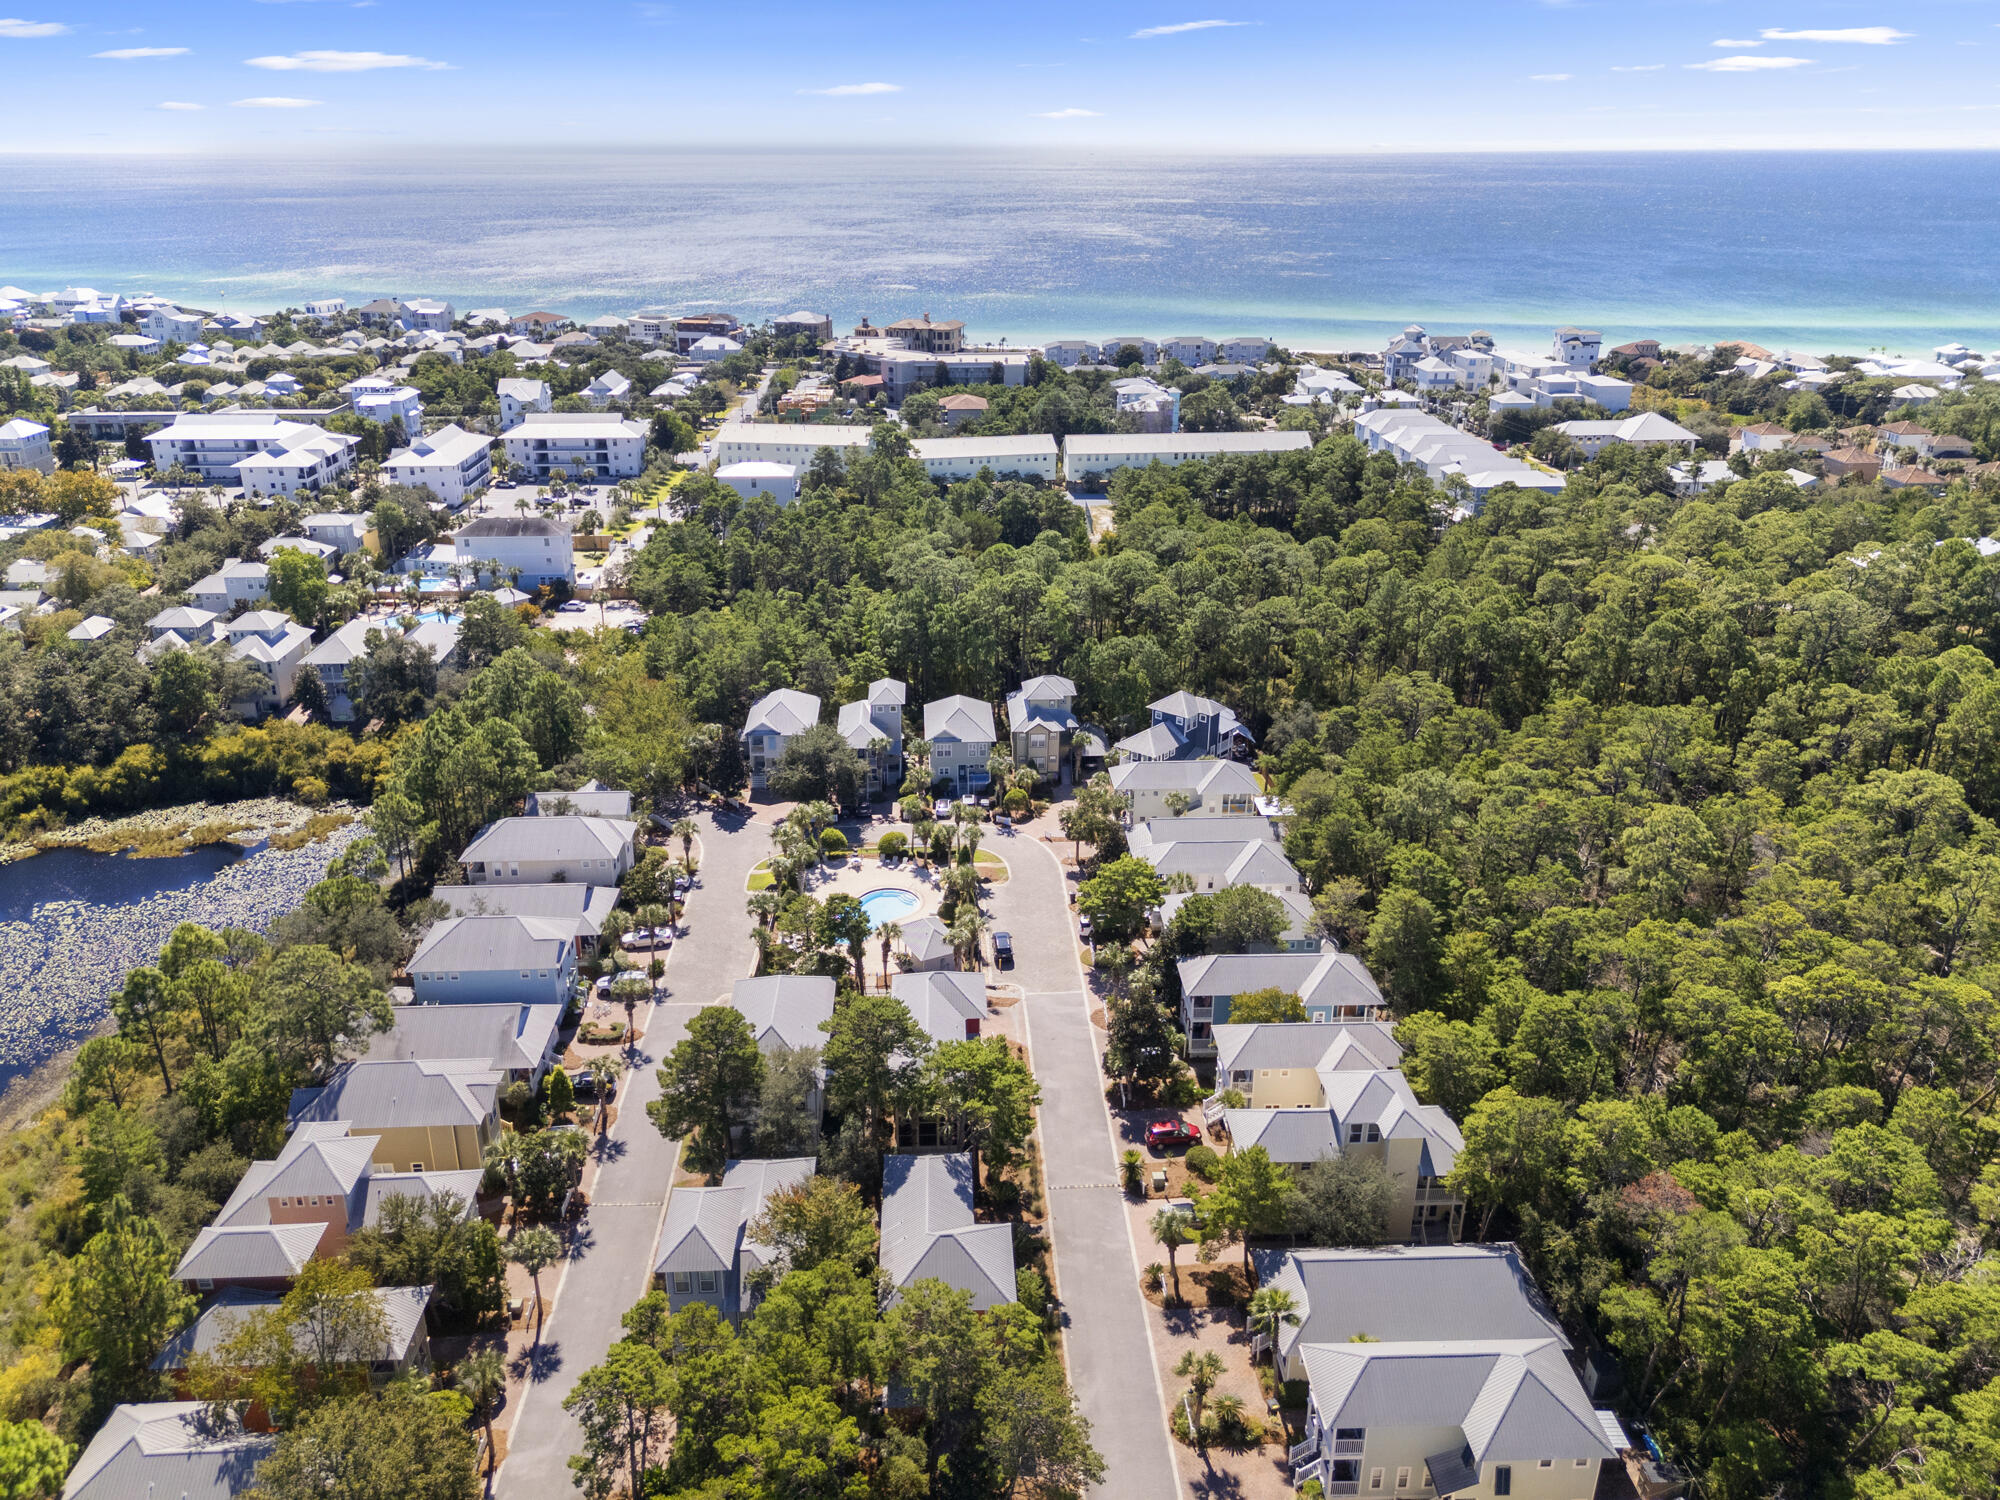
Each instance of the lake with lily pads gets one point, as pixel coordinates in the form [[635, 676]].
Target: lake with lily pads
[[73, 922]]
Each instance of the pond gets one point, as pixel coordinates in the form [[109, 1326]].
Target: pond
[[73, 922]]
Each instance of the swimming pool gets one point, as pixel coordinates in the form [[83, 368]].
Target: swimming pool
[[888, 905]]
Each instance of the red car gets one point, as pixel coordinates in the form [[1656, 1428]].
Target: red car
[[1162, 1134]]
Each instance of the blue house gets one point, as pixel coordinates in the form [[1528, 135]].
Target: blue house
[[494, 959]]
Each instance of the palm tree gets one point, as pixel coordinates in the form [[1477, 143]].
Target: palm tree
[[966, 928], [534, 1251], [615, 926], [604, 1073], [890, 933], [1173, 1228], [483, 1376], [1272, 1308], [1201, 1372], [653, 915], [684, 830], [969, 838], [629, 988], [764, 907], [961, 882]]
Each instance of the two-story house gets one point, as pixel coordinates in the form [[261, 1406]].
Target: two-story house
[[405, 1346], [960, 731], [706, 1252], [519, 397], [787, 1011], [873, 729], [1301, 932], [1217, 852], [178, 1448], [275, 646], [1213, 787], [535, 851], [1435, 1371], [539, 552], [1186, 726], [1331, 986], [577, 906], [1041, 722], [519, 1042], [423, 1114], [928, 1230], [485, 960], [236, 582], [769, 727], [1317, 1090]]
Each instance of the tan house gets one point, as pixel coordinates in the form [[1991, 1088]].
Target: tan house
[[423, 1115], [1852, 463]]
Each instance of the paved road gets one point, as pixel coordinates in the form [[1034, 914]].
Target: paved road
[[1109, 1352], [611, 1258]]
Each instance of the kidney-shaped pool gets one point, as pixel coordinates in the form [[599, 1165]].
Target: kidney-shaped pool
[[889, 905]]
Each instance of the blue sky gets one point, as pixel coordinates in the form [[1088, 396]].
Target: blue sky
[[1119, 75]]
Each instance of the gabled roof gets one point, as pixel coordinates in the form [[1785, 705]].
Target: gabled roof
[[167, 1450], [926, 939], [250, 1252], [785, 1009], [591, 800], [1211, 778], [782, 711], [966, 720], [493, 945], [581, 907], [402, 1311], [706, 1228], [319, 1160], [1305, 1044], [397, 1094], [506, 1037], [928, 1230], [546, 839], [942, 1001], [1316, 978]]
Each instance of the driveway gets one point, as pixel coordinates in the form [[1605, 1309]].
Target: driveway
[[1105, 1340], [611, 1254]]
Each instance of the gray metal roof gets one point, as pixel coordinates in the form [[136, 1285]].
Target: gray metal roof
[[942, 1001], [1200, 828], [402, 1312], [1305, 1044], [591, 800], [1289, 1136], [705, 1227], [319, 1160], [581, 905], [782, 711], [495, 944], [967, 720], [403, 1093], [1211, 778], [382, 1186], [1316, 978], [928, 1230], [250, 1252], [506, 1037], [785, 1009], [552, 839], [926, 939], [167, 1450]]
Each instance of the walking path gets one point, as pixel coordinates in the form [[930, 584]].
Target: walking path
[[611, 1251], [1105, 1340]]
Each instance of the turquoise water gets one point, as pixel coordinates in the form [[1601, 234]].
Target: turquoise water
[[1826, 251], [887, 906]]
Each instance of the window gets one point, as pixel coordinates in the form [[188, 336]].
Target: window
[[1375, 1479], [682, 1283], [416, 1166], [1402, 1479], [1583, 1463], [704, 1281], [203, 1283], [1354, 1135], [1350, 1434], [1374, 1132], [1503, 1479], [1547, 1463]]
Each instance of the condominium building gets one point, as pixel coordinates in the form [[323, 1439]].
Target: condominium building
[[1098, 455], [451, 463], [584, 445], [214, 446], [1032, 456]]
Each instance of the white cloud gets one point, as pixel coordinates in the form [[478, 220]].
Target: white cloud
[[1638, 68], [177, 105], [1178, 28], [849, 90], [1866, 36], [126, 54], [1549, 77], [1734, 41], [13, 26], [322, 61], [1071, 114], [1744, 63], [274, 101]]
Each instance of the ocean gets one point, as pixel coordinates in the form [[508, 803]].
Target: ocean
[[1821, 251]]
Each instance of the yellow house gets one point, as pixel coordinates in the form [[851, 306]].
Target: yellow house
[[424, 1115]]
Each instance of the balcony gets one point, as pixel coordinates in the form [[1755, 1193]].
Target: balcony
[[1348, 1447]]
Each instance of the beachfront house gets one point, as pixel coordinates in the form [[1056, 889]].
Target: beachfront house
[[1577, 347], [1042, 724], [873, 729], [772, 721], [706, 1252], [536, 851], [488, 959], [1331, 986], [960, 731]]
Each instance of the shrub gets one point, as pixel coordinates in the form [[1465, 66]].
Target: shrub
[[833, 843], [1156, 1276], [1203, 1162], [1183, 1091], [1015, 802], [892, 845], [1132, 1167]]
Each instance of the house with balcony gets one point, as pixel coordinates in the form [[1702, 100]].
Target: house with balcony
[[772, 722], [1435, 1370], [1577, 347], [579, 907], [1186, 726], [25, 445], [1042, 725], [405, 1346], [519, 1042], [1212, 787], [1331, 986], [591, 800], [960, 731], [518, 397], [344, 531], [493, 958], [1301, 933], [583, 445], [532, 550], [788, 1011], [263, 451], [706, 1252], [873, 729], [422, 1113], [536, 851], [929, 1230], [1216, 852], [453, 464], [1646, 429], [275, 646], [606, 389], [323, 1187]]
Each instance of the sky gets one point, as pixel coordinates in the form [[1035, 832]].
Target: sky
[[1328, 76]]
